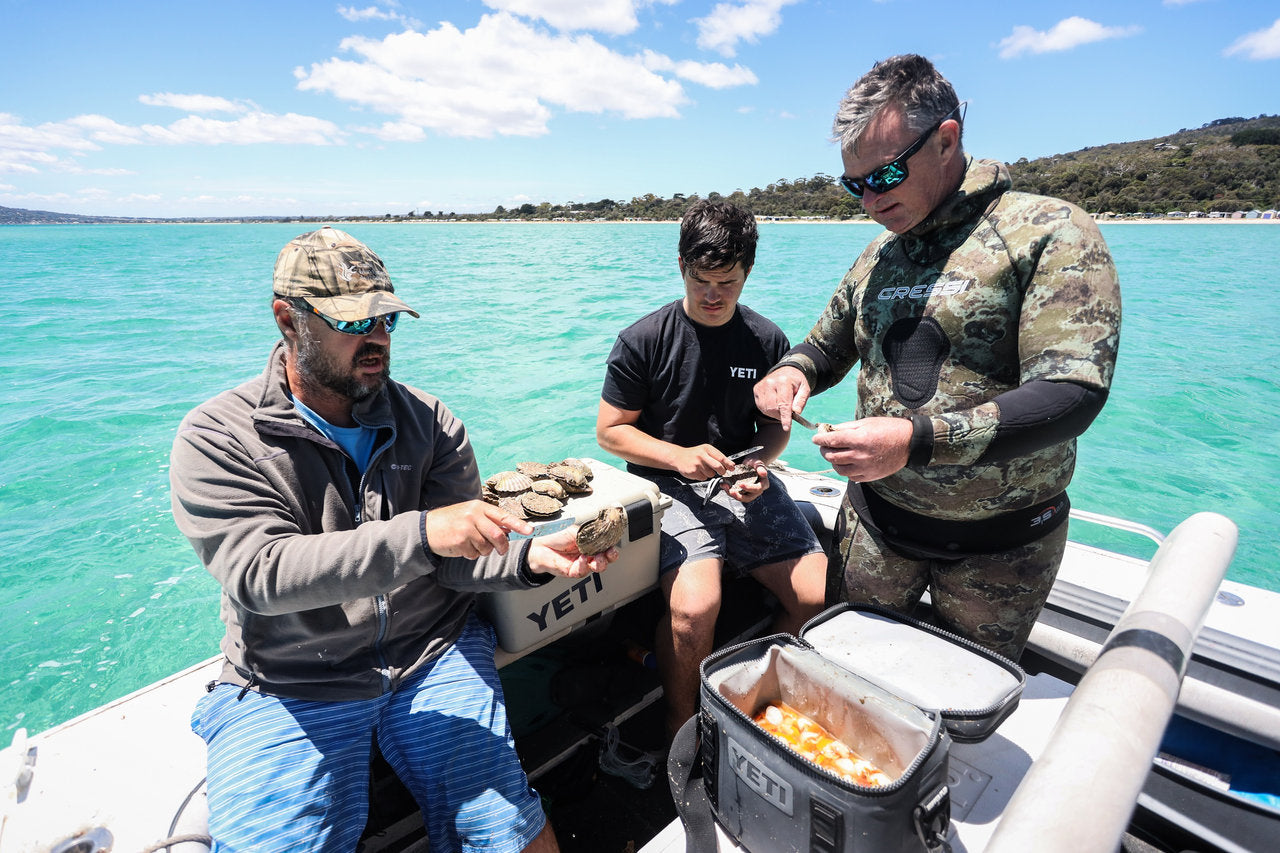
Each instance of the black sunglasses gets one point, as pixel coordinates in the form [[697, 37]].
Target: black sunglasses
[[888, 176], [359, 327]]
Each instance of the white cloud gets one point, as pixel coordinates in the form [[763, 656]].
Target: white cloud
[[1262, 44], [27, 150], [32, 149], [373, 13], [504, 77], [1067, 34], [396, 131], [192, 103], [616, 17], [255, 128], [730, 23], [369, 13], [26, 199], [14, 164], [70, 167], [713, 75]]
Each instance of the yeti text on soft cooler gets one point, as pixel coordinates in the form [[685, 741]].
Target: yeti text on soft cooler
[[742, 372], [760, 778], [562, 605], [920, 291]]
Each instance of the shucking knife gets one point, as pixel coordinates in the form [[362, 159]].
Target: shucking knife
[[542, 528], [714, 483]]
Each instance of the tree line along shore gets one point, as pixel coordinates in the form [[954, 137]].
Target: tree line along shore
[[1228, 169]]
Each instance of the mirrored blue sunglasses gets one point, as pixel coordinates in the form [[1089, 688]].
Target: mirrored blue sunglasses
[[888, 176], [359, 327]]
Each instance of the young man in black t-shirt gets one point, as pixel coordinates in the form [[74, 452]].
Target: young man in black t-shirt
[[677, 402]]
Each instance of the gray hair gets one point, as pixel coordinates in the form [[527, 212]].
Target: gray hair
[[298, 308], [907, 80]]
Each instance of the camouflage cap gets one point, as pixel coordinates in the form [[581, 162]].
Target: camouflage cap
[[338, 276]]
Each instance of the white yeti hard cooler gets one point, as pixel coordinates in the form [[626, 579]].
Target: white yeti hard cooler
[[529, 618]]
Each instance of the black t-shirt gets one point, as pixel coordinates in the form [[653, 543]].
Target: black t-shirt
[[693, 384]]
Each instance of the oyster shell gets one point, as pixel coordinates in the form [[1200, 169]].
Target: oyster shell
[[602, 532], [539, 506]]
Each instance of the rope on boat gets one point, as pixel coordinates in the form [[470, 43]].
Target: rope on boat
[[194, 838]]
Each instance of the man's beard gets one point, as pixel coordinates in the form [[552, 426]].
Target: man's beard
[[321, 371]]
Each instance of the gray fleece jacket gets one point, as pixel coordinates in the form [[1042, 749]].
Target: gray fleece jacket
[[329, 590]]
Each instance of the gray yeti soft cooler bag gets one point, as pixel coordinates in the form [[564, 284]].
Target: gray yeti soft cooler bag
[[895, 690]]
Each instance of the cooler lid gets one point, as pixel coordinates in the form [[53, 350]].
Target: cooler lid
[[972, 688], [614, 487]]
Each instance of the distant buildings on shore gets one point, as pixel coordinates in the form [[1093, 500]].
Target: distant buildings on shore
[[1272, 215]]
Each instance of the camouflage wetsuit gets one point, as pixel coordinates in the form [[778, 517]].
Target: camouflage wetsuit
[[993, 325]]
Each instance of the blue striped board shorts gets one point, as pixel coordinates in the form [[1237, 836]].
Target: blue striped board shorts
[[293, 775]]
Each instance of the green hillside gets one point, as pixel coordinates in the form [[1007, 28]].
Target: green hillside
[[1229, 165]]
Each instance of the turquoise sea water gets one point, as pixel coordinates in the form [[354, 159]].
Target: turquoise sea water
[[113, 332]]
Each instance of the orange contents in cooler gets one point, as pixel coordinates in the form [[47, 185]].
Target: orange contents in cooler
[[817, 745]]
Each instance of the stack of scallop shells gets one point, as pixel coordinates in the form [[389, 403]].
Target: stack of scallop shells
[[537, 490]]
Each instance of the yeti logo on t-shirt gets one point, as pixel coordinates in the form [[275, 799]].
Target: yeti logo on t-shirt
[[742, 373]]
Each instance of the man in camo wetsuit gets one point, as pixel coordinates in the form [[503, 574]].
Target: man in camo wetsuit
[[985, 324]]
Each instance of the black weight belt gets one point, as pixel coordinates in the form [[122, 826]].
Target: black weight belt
[[921, 537]]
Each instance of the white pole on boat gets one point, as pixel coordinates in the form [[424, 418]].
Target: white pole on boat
[[1079, 795]]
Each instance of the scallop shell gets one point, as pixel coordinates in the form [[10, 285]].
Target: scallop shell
[[551, 488], [740, 474], [580, 465], [539, 506], [572, 478], [533, 470], [513, 506], [602, 532], [509, 483]]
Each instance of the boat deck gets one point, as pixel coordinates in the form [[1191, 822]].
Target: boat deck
[[128, 765], [133, 764]]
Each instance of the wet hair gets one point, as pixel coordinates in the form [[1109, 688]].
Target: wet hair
[[909, 81], [716, 235]]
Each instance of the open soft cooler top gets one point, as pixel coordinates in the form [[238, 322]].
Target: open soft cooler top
[[973, 688]]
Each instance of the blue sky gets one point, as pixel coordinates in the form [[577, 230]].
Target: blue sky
[[292, 108]]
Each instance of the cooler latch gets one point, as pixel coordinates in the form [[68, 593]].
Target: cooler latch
[[932, 820], [639, 519]]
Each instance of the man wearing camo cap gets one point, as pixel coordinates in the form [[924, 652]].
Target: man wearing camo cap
[[984, 325], [340, 513]]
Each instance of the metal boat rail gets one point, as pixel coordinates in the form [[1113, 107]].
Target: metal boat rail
[[1118, 524]]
